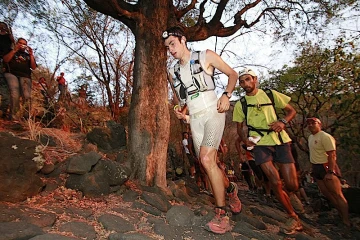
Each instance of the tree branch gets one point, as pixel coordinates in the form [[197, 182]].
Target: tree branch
[[180, 13], [118, 9]]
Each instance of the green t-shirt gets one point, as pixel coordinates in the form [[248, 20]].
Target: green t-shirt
[[261, 117]]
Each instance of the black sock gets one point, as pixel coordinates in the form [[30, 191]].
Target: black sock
[[220, 210], [230, 188]]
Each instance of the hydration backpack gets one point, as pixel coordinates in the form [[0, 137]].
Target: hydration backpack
[[201, 81], [245, 107]]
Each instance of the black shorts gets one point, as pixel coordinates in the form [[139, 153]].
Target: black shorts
[[191, 159], [277, 153], [258, 171], [319, 171]]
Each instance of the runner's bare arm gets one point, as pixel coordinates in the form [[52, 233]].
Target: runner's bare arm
[[243, 134], [213, 60], [179, 112]]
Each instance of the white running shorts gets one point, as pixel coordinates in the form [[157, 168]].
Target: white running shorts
[[207, 127]]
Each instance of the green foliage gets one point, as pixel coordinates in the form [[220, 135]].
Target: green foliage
[[324, 82]]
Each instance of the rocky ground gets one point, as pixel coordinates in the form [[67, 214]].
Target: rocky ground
[[137, 212], [148, 213]]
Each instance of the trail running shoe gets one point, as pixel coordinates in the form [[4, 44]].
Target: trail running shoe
[[296, 203], [292, 226], [234, 201], [220, 223]]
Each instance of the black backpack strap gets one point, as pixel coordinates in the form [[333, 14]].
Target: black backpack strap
[[270, 95], [200, 69], [244, 106], [177, 72], [195, 65], [183, 86]]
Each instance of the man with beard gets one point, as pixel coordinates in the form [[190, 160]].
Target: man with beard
[[272, 143]]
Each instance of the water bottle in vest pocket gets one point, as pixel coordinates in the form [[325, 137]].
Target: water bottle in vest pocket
[[199, 82], [179, 89]]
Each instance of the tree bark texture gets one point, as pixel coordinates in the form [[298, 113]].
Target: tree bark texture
[[149, 115]]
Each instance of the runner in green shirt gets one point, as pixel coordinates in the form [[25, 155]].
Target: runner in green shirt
[[274, 143]]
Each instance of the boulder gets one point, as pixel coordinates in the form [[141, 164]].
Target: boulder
[[18, 170], [98, 179], [180, 216], [92, 184], [108, 139], [82, 163]]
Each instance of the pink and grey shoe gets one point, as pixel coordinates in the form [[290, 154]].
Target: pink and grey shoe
[[220, 223], [234, 201], [292, 226]]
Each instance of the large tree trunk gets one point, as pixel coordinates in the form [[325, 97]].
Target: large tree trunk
[[149, 115]]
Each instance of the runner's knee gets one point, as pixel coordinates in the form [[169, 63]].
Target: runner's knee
[[207, 161], [292, 186], [275, 183]]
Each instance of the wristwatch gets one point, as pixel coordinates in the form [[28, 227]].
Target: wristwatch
[[227, 94], [283, 120]]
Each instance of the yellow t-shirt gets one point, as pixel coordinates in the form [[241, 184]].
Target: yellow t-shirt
[[261, 117], [319, 144]]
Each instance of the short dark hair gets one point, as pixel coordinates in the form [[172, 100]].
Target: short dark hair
[[5, 24], [185, 133], [173, 31], [22, 39]]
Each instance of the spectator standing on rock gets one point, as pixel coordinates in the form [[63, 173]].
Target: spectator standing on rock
[[192, 80], [322, 149], [267, 136], [81, 101], [190, 158], [61, 85], [20, 62]]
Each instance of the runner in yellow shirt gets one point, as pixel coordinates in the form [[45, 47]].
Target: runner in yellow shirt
[[269, 140], [322, 149]]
